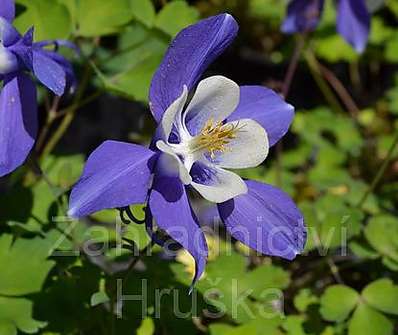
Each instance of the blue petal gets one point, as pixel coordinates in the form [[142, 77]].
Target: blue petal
[[8, 34], [71, 81], [267, 108], [116, 175], [7, 10], [187, 58], [50, 73], [265, 219], [170, 208], [18, 122], [23, 48], [302, 16], [353, 23]]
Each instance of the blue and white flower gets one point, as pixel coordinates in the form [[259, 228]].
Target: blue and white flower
[[204, 128]]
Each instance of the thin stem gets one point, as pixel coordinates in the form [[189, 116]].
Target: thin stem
[[83, 103], [322, 84], [51, 115], [340, 90], [129, 271], [287, 82], [355, 75], [300, 42], [69, 115], [335, 270], [380, 173], [142, 253]]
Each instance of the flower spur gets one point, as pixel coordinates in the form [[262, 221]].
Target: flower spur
[[19, 56], [353, 19]]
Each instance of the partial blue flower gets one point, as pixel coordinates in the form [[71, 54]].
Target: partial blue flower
[[205, 129], [302, 16], [353, 19], [19, 55]]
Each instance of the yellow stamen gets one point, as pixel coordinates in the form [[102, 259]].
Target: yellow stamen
[[215, 136]]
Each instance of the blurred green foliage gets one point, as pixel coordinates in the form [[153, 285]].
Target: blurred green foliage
[[61, 277]]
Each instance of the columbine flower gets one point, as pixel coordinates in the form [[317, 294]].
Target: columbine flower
[[223, 126], [18, 104], [353, 19]]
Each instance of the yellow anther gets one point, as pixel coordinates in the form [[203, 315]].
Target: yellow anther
[[215, 136]]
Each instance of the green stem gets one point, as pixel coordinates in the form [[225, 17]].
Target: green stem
[[340, 90], [51, 114], [81, 104], [300, 42], [380, 173], [69, 116], [322, 84]]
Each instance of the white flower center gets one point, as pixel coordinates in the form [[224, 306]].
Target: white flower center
[[208, 139], [8, 61], [214, 138]]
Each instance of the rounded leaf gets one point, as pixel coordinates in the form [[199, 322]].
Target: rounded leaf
[[337, 302], [382, 294], [368, 321]]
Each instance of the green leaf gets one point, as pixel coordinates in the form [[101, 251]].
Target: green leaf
[[63, 171], [393, 6], [363, 250], [392, 94], [254, 327], [314, 125], [293, 324], [391, 48], [226, 279], [341, 50], [16, 313], [147, 327], [368, 321], [330, 226], [304, 299], [220, 329], [380, 33], [269, 11], [265, 277], [65, 301], [50, 18], [129, 73], [97, 18], [175, 16], [143, 11], [390, 263], [337, 302], [99, 298], [382, 294], [135, 81], [382, 234], [30, 208], [24, 265]]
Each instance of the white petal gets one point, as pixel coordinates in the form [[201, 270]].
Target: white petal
[[248, 149], [173, 114], [171, 164], [219, 185], [215, 98], [8, 61]]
